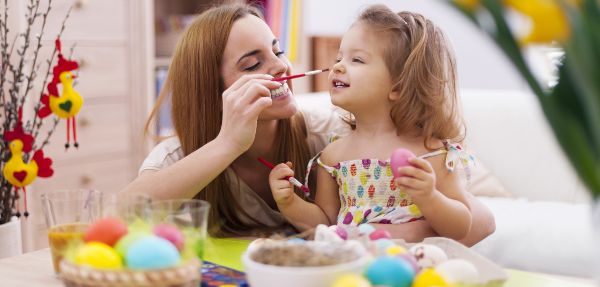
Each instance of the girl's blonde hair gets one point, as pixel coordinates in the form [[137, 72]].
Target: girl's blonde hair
[[423, 69], [195, 86]]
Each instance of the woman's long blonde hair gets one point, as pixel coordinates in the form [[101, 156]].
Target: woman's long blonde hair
[[423, 69], [195, 86]]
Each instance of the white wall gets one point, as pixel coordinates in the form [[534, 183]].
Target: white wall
[[481, 65]]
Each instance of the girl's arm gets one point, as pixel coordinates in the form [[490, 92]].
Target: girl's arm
[[243, 101], [483, 223], [443, 204], [302, 214], [415, 231]]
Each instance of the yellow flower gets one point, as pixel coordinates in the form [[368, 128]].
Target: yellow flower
[[468, 4], [548, 19]]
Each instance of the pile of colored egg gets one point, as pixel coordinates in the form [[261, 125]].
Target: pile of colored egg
[[110, 244], [423, 265]]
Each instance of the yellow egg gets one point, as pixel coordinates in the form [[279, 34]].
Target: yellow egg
[[429, 278], [395, 250], [351, 280], [98, 255]]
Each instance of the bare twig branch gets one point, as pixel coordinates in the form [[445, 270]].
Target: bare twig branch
[[35, 128], [37, 49]]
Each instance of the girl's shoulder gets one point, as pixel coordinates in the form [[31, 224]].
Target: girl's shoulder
[[334, 151]]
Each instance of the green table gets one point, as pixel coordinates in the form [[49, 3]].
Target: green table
[[228, 252]]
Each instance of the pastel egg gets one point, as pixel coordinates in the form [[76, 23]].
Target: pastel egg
[[395, 250], [98, 255], [458, 271], [400, 158], [429, 278], [152, 252], [125, 242], [297, 241], [366, 229], [327, 234], [341, 232], [171, 233], [351, 280], [411, 260], [428, 255], [390, 271], [379, 234], [107, 230], [383, 244]]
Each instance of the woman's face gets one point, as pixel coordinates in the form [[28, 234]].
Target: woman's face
[[252, 49]]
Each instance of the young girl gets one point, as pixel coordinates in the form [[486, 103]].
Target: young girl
[[395, 73]]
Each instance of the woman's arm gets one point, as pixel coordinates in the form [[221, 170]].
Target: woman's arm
[[243, 101], [189, 175]]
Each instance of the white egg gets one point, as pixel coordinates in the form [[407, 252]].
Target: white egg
[[327, 234], [458, 271], [428, 255]]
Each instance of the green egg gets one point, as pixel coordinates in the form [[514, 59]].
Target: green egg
[[123, 244]]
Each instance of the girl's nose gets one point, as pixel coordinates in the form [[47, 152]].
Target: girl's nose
[[338, 67]]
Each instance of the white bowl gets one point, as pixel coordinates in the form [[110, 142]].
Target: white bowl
[[264, 275]]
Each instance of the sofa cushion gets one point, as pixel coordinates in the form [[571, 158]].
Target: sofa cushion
[[541, 236], [484, 183]]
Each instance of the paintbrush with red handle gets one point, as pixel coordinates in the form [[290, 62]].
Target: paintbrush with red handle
[[281, 79], [291, 179]]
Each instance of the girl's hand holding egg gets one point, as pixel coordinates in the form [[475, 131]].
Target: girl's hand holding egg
[[415, 175]]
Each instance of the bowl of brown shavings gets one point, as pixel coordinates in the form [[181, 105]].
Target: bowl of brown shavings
[[269, 262]]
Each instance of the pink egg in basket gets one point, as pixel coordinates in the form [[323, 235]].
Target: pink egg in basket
[[279, 263], [399, 159]]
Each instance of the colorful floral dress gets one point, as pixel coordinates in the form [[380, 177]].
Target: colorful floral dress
[[368, 193]]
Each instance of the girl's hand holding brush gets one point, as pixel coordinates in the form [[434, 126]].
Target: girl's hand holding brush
[[281, 187]]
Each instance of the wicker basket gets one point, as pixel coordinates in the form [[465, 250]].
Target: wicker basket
[[83, 276]]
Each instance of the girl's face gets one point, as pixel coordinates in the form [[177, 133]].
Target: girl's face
[[360, 80], [252, 49]]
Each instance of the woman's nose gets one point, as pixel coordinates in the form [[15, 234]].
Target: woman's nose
[[280, 66]]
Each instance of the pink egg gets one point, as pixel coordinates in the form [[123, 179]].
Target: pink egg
[[380, 234], [170, 233], [341, 232], [400, 158]]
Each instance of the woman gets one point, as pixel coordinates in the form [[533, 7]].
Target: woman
[[227, 113]]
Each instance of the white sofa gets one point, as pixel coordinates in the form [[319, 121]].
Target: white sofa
[[546, 225]]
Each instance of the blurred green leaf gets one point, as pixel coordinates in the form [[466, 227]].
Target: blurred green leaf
[[572, 107]]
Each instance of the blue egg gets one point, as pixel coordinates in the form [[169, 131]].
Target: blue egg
[[383, 243], [390, 271], [366, 228], [152, 252], [297, 241]]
